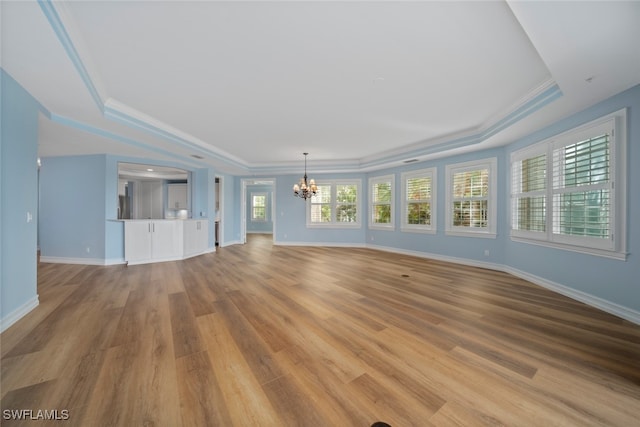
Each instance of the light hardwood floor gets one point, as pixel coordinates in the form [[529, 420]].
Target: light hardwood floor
[[262, 335]]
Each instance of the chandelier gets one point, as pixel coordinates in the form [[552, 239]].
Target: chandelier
[[305, 189]]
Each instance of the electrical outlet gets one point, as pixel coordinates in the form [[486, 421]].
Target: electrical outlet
[[486, 252]]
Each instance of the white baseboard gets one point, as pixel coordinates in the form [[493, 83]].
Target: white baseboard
[[325, 244], [439, 257], [602, 304], [597, 302], [207, 251], [83, 261], [18, 313]]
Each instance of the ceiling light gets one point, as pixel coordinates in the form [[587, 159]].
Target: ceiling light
[[305, 189]]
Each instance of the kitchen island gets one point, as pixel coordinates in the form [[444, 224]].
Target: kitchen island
[[158, 240]]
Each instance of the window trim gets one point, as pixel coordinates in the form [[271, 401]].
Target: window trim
[[618, 178], [492, 200], [266, 211], [376, 180], [420, 228], [333, 223]]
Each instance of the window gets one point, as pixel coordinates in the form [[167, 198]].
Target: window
[[563, 192], [258, 206], [529, 193], [471, 198], [418, 201], [335, 204], [381, 202]]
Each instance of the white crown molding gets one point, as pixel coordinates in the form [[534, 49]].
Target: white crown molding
[[119, 111], [314, 167], [528, 100], [64, 27], [545, 92]]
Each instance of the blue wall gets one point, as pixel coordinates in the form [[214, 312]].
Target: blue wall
[[203, 198], [73, 207], [19, 196], [612, 280]]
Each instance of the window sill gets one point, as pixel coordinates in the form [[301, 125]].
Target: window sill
[[350, 225], [621, 256], [418, 230], [381, 227], [480, 234]]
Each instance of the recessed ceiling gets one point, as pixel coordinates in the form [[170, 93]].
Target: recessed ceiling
[[249, 86], [145, 171]]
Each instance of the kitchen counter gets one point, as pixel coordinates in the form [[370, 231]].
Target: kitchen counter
[[158, 240]]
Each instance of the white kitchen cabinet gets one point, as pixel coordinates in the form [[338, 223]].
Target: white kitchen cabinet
[[152, 241], [137, 241], [196, 237], [177, 196]]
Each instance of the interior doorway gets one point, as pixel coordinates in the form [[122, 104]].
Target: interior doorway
[[258, 207]]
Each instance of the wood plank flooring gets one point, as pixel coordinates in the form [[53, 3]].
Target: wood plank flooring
[[262, 335]]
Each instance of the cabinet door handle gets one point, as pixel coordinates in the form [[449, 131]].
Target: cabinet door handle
[[149, 227]]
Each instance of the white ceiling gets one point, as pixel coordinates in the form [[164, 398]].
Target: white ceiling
[[249, 86]]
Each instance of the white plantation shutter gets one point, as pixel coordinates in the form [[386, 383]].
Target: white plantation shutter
[[471, 198], [529, 193], [418, 198], [564, 192], [582, 188], [321, 204], [381, 201]]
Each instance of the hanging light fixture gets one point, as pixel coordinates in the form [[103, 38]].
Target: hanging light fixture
[[305, 189]]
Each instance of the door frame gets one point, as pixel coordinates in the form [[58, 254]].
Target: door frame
[[243, 205]]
